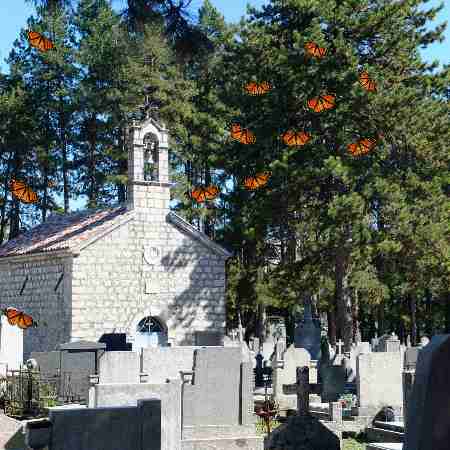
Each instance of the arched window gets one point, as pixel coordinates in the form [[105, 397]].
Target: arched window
[[151, 157], [150, 332], [150, 324]]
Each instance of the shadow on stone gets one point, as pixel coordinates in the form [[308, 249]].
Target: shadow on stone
[[304, 433]]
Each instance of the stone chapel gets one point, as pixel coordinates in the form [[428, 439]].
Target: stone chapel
[[137, 269]]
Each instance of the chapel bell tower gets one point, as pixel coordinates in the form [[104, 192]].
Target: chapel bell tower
[[148, 167]]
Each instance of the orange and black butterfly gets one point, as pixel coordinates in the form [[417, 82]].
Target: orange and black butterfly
[[322, 102], [51, 184], [243, 135], [21, 191], [362, 147], [203, 193], [314, 50], [254, 88], [40, 42], [367, 83], [19, 318], [259, 180], [295, 138]]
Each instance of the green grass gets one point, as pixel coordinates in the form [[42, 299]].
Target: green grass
[[353, 444]]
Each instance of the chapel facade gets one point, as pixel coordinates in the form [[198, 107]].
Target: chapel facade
[[136, 269]]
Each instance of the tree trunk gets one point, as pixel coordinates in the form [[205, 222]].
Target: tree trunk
[[63, 140], [429, 329], [355, 315], [14, 221], [92, 137], [447, 312], [343, 300], [412, 311], [380, 319], [331, 317]]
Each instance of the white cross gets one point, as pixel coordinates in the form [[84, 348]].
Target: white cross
[[339, 345]]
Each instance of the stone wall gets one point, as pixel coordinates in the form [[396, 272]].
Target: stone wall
[[113, 287], [50, 308]]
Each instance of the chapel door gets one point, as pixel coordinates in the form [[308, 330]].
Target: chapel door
[[150, 332]]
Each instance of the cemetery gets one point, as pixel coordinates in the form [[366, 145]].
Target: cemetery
[[220, 235]]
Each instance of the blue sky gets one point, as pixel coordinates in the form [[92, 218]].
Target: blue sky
[[14, 14]]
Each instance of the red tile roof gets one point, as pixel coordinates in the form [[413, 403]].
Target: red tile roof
[[63, 231]]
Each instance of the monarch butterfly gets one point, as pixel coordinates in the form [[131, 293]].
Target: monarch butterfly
[[21, 191], [367, 83], [314, 50], [19, 318], [203, 193], [51, 184], [243, 135], [362, 147], [322, 102], [40, 42], [295, 138], [259, 180], [253, 88]]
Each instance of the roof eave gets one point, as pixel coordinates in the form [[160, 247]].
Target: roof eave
[[63, 253], [188, 228]]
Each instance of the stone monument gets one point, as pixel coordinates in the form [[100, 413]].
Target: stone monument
[[307, 332]]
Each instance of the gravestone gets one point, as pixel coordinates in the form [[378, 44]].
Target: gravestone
[[303, 431], [286, 374], [115, 342], [428, 414], [11, 345], [379, 381], [112, 428], [259, 370], [307, 333], [333, 383], [80, 360], [408, 383], [208, 338], [410, 358], [388, 343]]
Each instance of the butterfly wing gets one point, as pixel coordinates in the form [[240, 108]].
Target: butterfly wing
[[47, 45], [21, 191], [247, 137], [198, 194], [12, 314], [24, 321], [262, 179], [367, 83], [250, 183], [314, 50], [211, 192], [236, 131], [328, 101], [35, 39], [322, 103], [251, 88]]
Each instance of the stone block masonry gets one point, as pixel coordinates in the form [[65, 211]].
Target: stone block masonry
[[112, 278], [38, 297]]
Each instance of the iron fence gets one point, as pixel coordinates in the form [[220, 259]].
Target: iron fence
[[27, 393]]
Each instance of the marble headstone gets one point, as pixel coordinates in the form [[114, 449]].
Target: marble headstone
[[307, 333], [428, 413]]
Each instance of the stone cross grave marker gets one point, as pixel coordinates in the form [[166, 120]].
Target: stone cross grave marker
[[339, 346], [301, 388]]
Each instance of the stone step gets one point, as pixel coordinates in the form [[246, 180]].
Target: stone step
[[246, 443], [385, 446], [376, 434], [398, 426]]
